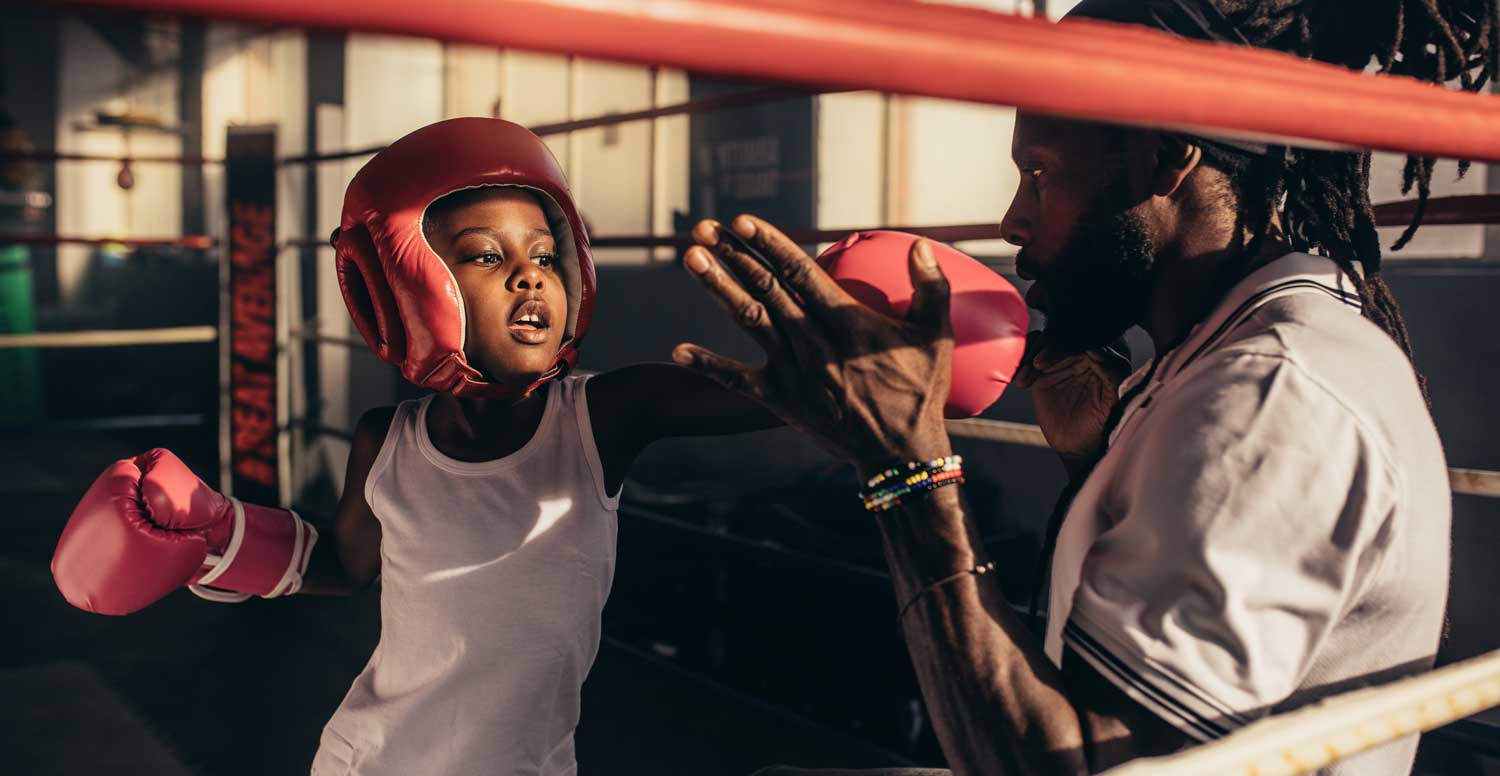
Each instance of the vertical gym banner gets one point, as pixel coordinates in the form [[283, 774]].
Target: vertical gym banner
[[250, 173]]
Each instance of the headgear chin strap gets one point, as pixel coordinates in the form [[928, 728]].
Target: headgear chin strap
[[402, 296]]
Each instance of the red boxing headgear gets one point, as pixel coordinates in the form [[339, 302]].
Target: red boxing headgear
[[401, 294]]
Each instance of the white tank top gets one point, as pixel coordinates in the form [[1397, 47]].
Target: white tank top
[[494, 576]]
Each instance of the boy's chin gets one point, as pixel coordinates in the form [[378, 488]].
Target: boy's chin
[[517, 374]]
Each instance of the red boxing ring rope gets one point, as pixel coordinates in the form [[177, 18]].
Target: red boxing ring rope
[[1083, 69], [1442, 211]]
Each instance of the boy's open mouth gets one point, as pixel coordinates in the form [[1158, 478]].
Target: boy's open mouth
[[529, 322]]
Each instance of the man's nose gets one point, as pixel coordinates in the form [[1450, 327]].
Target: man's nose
[[1015, 227]]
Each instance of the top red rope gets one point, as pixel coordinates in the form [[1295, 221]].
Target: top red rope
[[1083, 69]]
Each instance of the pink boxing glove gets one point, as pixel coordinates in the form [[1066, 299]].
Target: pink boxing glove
[[148, 526], [989, 316]]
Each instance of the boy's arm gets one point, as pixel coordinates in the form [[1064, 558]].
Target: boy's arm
[[656, 401], [634, 406], [351, 560]]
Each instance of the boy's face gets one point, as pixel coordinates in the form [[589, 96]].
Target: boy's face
[[497, 243]]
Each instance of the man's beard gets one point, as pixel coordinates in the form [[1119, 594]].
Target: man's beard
[[1099, 283]]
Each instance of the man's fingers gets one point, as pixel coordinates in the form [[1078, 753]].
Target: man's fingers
[[929, 300], [1045, 354], [1050, 358], [759, 280], [706, 232], [801, 274], [747, 311], [1045, 362], [727, 372]]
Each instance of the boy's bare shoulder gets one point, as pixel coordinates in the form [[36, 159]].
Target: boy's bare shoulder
[[370, 432], [376, 420]]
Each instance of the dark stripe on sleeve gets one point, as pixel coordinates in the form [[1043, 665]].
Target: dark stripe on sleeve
[[1198, 725]]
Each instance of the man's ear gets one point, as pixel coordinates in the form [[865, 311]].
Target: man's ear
[[1176, 158]]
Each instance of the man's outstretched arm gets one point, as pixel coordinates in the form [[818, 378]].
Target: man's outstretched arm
[[872, 389], [997, 703]]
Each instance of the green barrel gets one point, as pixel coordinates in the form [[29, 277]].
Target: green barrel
[[20, 368]]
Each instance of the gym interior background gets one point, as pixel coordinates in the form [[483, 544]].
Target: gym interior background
[[750, 621]]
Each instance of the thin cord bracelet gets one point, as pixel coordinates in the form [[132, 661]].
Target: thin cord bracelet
[[977, 571]]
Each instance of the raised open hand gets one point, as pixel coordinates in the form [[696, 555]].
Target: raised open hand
[[868, 387]]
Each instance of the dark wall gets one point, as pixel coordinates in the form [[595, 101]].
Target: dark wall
[[1450, 309]]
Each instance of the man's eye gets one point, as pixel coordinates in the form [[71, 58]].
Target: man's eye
[[488, 259], [545, 260], [1033, 173]]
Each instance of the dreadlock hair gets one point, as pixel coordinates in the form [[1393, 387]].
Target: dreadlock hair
[[1324, 195]]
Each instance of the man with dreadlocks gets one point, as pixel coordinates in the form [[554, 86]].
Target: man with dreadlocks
[[1260, 517]]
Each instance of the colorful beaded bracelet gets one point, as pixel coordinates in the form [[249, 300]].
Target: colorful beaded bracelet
[[919, 477], [910, 466]]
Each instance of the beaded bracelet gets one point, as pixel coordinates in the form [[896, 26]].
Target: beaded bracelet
[[909, 466], [883, 494], [977, 571]]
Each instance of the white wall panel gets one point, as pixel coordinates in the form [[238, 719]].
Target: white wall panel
[[957, 168], [612, 168], [851, 160], [671, 160], [89, 200], [535, 90], [472, 80], [392, 85]]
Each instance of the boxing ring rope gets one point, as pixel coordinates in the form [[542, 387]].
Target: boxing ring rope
[[310, 333], [168, 335], [1084, 69], [1465, 482], [198, 242], [1315, 736], [1466, 210], [1008, 432], [701, 105], [49, 155], [124, 423]]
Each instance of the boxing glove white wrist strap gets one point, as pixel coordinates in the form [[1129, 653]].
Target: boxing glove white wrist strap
[[222, 563], [306, 536]]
